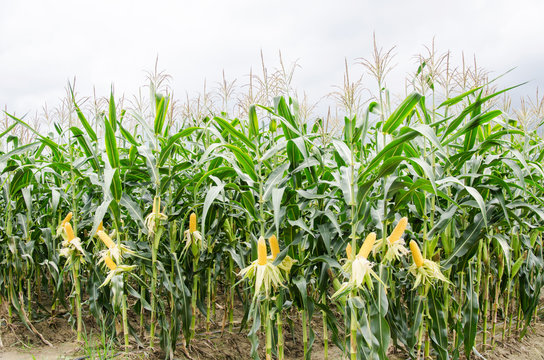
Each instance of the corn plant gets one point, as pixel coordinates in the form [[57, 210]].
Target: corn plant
[[190, 198]]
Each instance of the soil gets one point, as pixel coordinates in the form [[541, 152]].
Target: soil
[[20, 343], [531, 347]]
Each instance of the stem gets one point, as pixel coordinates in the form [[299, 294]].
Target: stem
[[153, 288], [279, 320], [506, 307], [231, 293], [494, 319], [422, 326], [193, 299], [125, 320], [325, 330], [280, 337], [304, 333], [458, 318], [427, 342], [209, 299], [268, 325], [353, 335], [75, 275], [142, 296]]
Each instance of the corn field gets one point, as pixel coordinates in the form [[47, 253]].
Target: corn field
[[414, 226]]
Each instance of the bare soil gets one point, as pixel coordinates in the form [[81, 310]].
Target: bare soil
[[19, 343]]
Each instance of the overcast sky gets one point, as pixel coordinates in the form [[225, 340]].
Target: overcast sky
[[43, 44]]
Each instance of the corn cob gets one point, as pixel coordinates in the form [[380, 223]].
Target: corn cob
[[69, 231], [348, 252], [261, 251], [416, 254], [192, 223], [110, 263], [105, 239], [399, 230], [274, 246], [66, 219], [367, 245]]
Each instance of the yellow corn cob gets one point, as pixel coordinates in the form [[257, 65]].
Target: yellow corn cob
[[66, 219], [261, 251], [399, 230], [105, 239], [274, 246], [192, 223], [367, 245], [100, 227], [416, 253], [110, 263], [69, 231], [348, 252]]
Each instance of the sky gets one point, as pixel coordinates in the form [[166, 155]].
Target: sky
[[44, 44]]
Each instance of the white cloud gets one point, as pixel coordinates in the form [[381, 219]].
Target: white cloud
[[45, 43]]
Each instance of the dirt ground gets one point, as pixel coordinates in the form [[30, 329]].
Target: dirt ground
[[531, 347], [19, 343]]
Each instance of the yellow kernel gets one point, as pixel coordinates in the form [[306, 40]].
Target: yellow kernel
[[399, 230], [274, 246], [367, 245], [110, 263], [416, 254], [349, 252], [100, 227], [105, 239], [66, 219], [69, 231], [192, 223], [261, 251]]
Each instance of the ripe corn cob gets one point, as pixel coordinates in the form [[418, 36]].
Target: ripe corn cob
[[367, 245], [274, 246], [399, 230], [192, 223], [66, 219], [69, 231], [105, 239], [261, 251], [110, 263], [348, 252], [416, 254]]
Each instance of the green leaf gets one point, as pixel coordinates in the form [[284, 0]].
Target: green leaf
[[134, 211], [402, 111], [167, 150], [253, 123], [111, 145], [113, 112], [237, 134], [211, 196]]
